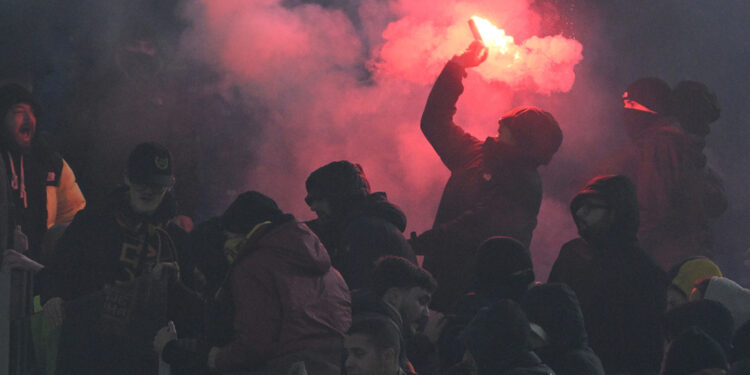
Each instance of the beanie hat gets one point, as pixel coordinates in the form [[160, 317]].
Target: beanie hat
[[695, 106], [693, 351], [504, 261], [535, 130], [649, 95], [150, 164], [692, 270], [248, 210], [337, 181], [12, 94]]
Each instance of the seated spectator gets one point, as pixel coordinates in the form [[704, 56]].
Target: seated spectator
[[372, 347], [684, 275], [498, 341], [401, 292], [620, 289], [558, 334], [727, 292], [289, 304], [694, 353], [356, 226]]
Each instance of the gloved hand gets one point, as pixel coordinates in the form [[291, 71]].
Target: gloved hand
[[474, 55]]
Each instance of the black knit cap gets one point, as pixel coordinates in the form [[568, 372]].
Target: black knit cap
[[536, 131], [12, 94], [337, 181], [693, 351], [504, 260], [651, 92], [248, 210], [150, 164], [695, 106]]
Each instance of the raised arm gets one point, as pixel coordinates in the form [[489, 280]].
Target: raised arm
[[451, 142]]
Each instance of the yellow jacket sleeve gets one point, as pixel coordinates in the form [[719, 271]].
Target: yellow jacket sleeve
[[64, 200]]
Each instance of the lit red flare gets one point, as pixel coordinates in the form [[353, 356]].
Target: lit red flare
[[493, 37]]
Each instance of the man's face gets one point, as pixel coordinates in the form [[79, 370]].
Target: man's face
[[594, 220], [322, 209], [20, 125], [363, 358], [413, 307], [145, 199]]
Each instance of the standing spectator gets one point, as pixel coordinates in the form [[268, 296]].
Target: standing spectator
[[43, 187], [621, 290], [107, 268], [289, 304], [494, 188], [372, 348], [356, 226]]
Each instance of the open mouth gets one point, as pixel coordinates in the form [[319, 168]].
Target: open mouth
[[26, 130]]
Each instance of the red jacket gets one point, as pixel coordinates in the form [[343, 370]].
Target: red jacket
[[287, 299]]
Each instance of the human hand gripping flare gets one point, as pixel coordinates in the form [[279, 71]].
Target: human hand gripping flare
[[474, 55]]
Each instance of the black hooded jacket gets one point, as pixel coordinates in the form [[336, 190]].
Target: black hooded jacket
[[494, 190], [622, 292], [372, 228], [554, 307]]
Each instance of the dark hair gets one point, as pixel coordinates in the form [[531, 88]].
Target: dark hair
[[397, 272], [381, 332], [503, 265], [248, 210], [337, 181]]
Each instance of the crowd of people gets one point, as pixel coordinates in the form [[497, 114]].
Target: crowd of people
[[125, 285]]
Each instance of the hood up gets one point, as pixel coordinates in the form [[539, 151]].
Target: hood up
[[620, 194]]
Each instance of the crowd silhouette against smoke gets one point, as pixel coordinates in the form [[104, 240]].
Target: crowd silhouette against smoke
[[256, 95]]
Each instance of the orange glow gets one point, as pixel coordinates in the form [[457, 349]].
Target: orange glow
[[494, 38]]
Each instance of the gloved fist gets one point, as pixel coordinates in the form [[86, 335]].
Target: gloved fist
[[474, 55]]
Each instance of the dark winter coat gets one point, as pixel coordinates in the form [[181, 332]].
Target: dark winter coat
[[113, 306], [554, 307], [289, 303], [674, 192], [622, 292], [492, 191], [372, 229]]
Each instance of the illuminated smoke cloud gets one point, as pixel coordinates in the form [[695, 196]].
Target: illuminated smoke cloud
[[335, 89]]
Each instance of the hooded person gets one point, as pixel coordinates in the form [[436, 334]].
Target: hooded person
[[289, 304], [620, 289], [356, 226], [498, 342], [684, 275], [666, 170], [694, 353], [502, 270], [558, 332], [494, 188]]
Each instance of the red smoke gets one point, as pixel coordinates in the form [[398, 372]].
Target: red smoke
[[304, 65]]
